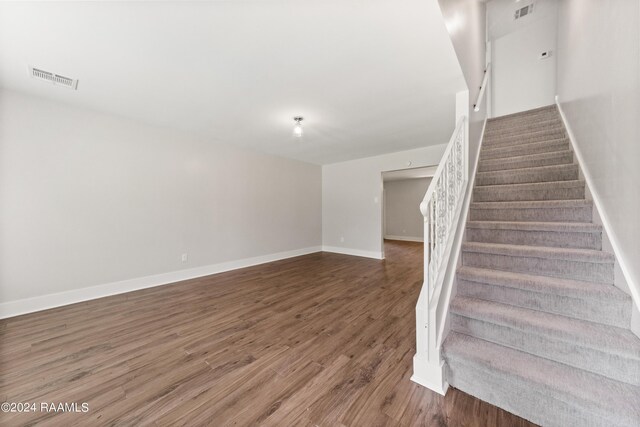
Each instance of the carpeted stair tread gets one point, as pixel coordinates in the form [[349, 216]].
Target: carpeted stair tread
[[533, 204], [551, 110], [590, 265], [571, 210], [551, 190], [530, 160], [617, 402], [548, 110], [566, 172], [534, 185], [579, 235], [515, 122], [578, 227], [542, 284], [579, 299], [493, 125], [520, 136], [523, 137], [570, 254], [516, 150], [493, 129], [597, 336]]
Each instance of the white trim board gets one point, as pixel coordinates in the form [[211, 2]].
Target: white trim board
[[405, 238], [353, 252], [44, 302], [597, 201]]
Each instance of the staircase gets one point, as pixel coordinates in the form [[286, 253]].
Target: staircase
[[537, 326]]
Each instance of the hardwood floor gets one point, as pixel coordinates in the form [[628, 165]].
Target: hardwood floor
[[322, 339]]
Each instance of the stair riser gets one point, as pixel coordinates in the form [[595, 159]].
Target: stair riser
[[529, 128], [578, 240], [542, 160], [485, 194], [613, 313], [577, 214], [545, 408], [525, 138], [559, 173], [566, 269], [611, 366], [524, 150]]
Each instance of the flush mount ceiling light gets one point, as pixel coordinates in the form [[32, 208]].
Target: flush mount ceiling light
[[297, 129]]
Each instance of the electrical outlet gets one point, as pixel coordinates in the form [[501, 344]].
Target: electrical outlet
[[185, 257], [341, 239]]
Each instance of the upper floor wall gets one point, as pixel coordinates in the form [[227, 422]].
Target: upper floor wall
[[599, 92], [466, 24], [523, 55]]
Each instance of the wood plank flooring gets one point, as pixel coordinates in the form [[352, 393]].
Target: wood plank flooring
[[322, 339]]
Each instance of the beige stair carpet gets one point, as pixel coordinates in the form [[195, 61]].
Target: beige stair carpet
[[537, 325]]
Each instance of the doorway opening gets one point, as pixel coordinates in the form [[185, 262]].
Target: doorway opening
[[402, 193]]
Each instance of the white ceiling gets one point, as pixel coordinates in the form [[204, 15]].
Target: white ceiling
[[369, 77]]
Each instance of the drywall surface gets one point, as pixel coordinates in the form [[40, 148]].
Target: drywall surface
[[402, 217], [599, 92], [466, 23], [89, 199], [352, 199], [521, 80]]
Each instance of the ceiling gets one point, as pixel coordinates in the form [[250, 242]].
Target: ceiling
[[369, 77]]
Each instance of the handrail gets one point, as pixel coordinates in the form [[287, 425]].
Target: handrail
[[440, 208], [483, 87]]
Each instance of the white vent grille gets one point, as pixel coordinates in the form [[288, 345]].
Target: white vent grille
[[523, 11], [55, 79]]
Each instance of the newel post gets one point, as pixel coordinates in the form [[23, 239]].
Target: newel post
[[428, 370]]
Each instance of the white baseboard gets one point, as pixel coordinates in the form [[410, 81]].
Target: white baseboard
[[44, 302], [354, 252], [405, 238], [597, 201]]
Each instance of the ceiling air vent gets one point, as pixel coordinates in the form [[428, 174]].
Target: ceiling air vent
[[523, 11], [55, 79]]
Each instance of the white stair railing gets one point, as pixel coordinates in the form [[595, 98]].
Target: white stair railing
[[441, 208]]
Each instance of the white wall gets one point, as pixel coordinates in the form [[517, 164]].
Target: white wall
[[522, 81], [90, 199], [466, 23], [402, 217], [599, 92], [352, 199]]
